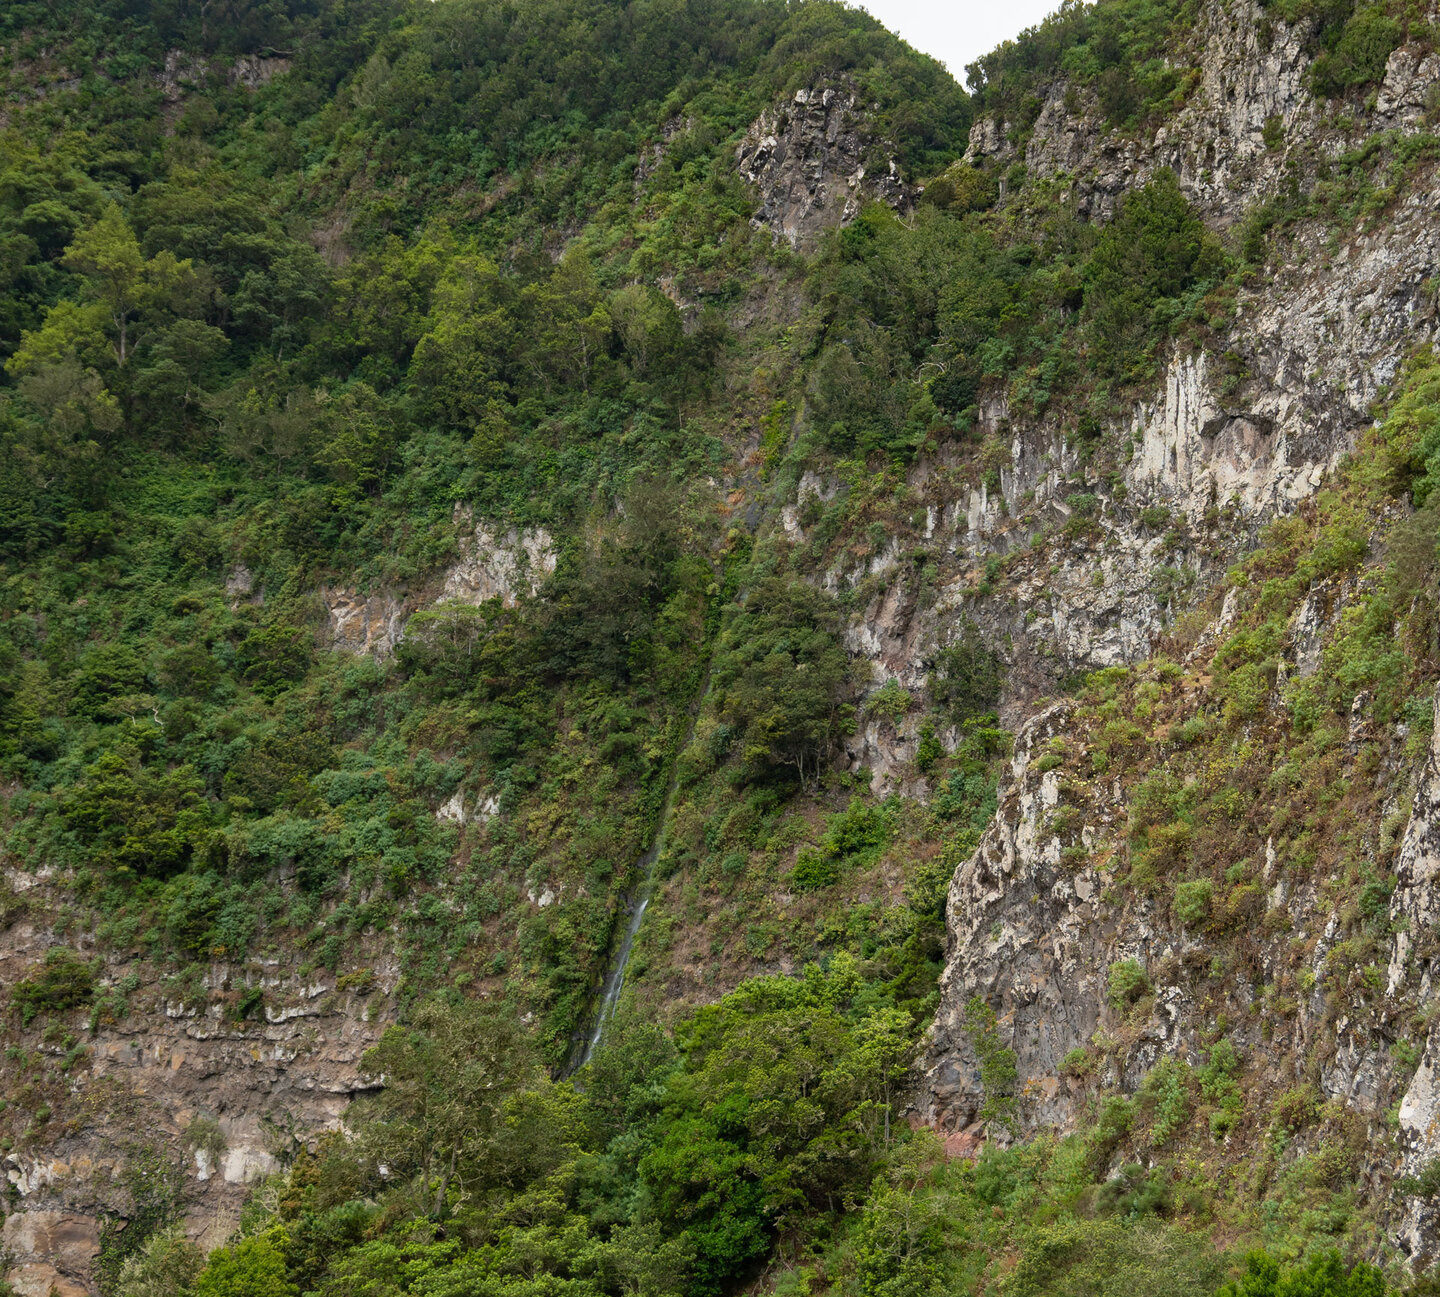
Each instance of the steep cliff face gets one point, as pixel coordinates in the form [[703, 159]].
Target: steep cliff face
[[255, 1056], [1227, 442], [814, 161], [1414, 909], [1247, 125], [1042, 916]]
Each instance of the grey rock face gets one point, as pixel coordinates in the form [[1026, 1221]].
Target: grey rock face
[[493, 563], [1414, 911], [814, 161], [1225, 443]]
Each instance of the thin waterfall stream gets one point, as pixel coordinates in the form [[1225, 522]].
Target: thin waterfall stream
[[614, 981]]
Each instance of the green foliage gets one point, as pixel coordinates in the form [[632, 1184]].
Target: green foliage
[[1410, 432], [1126, 984], [272, 658], [929, 751], [1324, 1275], [152, 1185], [1153, 257], [1116, 48], [440, 1115], [782, 680], [1166, 1091], [1192, 901], [467, 270], [813, 870], [63, 981], [1072, 1258], [1359, 52], [1220, 1085], [253, 1267], [135, 819], [901, 1249], [890, 701], [1134, 1193], [998, 1072], [968, 676], [167, 1267]]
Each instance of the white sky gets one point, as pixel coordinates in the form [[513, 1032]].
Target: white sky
[[957, 32]]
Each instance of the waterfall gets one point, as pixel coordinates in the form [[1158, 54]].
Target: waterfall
[[637, 904]]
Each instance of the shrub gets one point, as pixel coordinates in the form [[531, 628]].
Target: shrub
[[1297, 1108], [1128, 983], [109, 672], [273, 658], [136, 818], [1360, 53], [782, 678], [1166, 848], [1134, 1193], [1219, 1085], [860, 831], [929, 751], [890, 701], [1192, 900], [813, 870], [1155, 250], [1324, 1275], [1117, 1255], [1167, 1091], [998, 1070], [63, 981], [968, 676], [254, 1267]]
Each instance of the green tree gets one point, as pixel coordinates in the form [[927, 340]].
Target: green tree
[[167, 1267], [78, 419], [459, 369], [1324, 1275], [135, 819], [62, 982], [968, 675], [253, 1267], [447, 1078], [121, 279], [782, 678], [648, 324], [1154, 251]]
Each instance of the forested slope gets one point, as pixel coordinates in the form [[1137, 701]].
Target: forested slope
[[951, 573]]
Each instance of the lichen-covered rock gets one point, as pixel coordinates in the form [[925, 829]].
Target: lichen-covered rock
[[50, 1252], [1030, 937], [365, 623], [286, 1072]]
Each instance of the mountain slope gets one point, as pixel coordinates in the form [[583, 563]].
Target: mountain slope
[[963, 562]]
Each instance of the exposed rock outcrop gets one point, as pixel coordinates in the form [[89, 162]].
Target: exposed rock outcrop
[[1414, 912], [814, 161], [1230, 143], [1226, 443], [365, 623], [287, 1070], [493, 564]]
